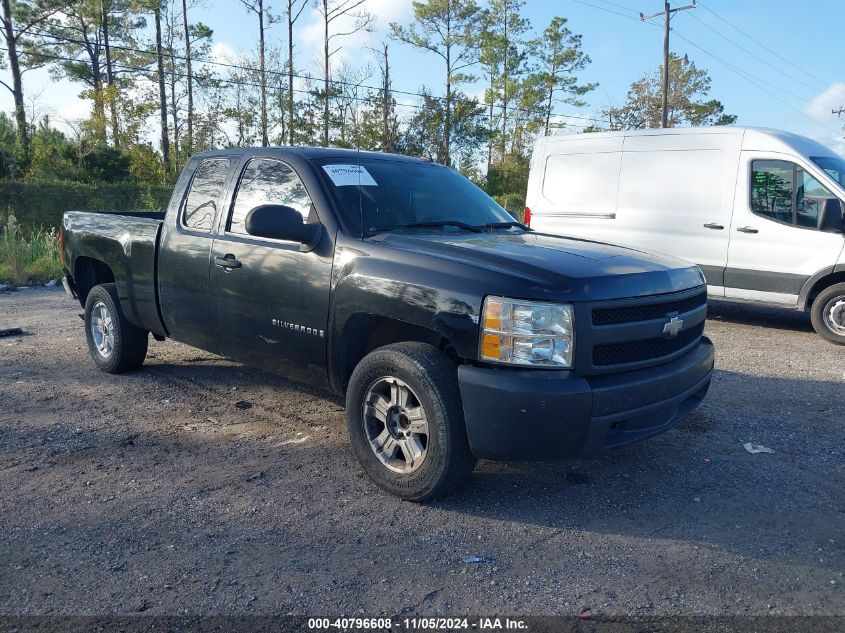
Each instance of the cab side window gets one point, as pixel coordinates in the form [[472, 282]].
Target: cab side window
[[268, 181], [204, 194], [785, 192]]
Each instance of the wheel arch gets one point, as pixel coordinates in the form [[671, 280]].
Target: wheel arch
[[87, 273], [363, 332], [818, 282]]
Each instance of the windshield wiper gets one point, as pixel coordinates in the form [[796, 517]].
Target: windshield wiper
[[436, 224], [503, 225]]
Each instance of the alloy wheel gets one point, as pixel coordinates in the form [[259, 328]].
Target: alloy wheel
[[102, 329], [395, 425]]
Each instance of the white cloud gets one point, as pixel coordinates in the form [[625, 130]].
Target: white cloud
[[223, 52], [387, 11], [831, 99], [477, 91], [74, 110], [828, 126], [355, 48]]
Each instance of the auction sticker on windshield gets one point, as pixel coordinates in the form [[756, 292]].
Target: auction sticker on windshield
[[350, 175]]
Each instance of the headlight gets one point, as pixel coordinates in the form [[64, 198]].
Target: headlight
[[526, 333]]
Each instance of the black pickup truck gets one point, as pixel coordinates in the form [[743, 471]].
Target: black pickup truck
[[454, 332]]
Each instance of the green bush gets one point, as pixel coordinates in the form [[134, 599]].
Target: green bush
[[513, 203], [42, 204], [28, 259]]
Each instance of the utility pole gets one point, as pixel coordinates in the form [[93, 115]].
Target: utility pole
[[386, 140], [838, 112], [667, 14]]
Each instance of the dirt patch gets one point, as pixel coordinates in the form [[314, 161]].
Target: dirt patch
[[153, 492]]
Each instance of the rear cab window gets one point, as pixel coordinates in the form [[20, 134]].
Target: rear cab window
[[205, 194]]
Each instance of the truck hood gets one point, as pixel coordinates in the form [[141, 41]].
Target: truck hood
[[553, 265]]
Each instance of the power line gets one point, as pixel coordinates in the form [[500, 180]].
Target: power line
[[304, 77], [751, 53], [668, 13], [763, 46], [754, 80], [745, 75], [595, 6], [619, 6], [234, 82]]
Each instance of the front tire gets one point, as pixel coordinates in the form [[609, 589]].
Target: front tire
[[405, 421], [115, 344], [828, 314]]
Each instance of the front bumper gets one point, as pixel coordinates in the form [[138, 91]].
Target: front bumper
[[535, 414]]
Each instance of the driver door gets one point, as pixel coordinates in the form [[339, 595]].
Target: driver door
[[270, 300], [775, 243]]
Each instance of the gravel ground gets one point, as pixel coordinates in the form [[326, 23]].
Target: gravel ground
[[152, 492]]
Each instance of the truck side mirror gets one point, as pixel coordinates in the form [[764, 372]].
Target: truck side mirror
[[830, 216], [280, 222]]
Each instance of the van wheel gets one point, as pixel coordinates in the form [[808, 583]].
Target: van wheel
[[828, 314], [405, 421], [115, 344]]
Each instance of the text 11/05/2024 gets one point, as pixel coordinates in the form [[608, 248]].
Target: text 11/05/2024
[[417, 624]]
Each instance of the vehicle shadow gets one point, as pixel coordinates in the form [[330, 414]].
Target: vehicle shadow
[[694, 484], [220, 375], [697, 482], [768, 317]]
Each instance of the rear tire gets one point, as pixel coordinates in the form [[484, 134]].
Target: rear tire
[[116, 346], [828, 314], [405, 421]]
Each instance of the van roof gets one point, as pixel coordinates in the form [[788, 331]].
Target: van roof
[[753, 138]]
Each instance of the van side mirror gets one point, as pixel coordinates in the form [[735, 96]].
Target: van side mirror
[[830, 216], [280, 222]]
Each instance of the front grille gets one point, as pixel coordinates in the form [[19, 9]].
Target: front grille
[[639, 351], [633, 314]]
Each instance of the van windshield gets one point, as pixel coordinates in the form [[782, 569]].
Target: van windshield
[[833, 167], [378, 195]]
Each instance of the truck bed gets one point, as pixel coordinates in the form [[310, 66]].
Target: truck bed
[[127, 242]]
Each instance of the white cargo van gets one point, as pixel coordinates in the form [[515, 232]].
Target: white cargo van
[[760, 211]]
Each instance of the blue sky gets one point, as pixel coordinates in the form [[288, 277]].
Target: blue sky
[[758, 85]]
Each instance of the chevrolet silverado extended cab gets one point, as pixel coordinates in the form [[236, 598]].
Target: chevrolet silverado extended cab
[[454, 332]]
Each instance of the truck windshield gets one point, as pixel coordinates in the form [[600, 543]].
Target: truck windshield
[[833, 167], [377, 195]]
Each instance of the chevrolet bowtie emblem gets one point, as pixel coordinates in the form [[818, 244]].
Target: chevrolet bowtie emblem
[[673, 326]]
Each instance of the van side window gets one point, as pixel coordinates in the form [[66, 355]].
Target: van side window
[[771, 189], [204, 194], [268, 181], [833, 167], [810, 199], [785, 192]]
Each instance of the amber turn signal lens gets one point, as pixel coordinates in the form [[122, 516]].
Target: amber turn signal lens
[[491, 346]]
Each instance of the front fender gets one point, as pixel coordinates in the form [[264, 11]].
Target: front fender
[[807, 288], [436, 299]]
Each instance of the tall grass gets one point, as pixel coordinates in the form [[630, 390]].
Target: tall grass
[[31, 258]]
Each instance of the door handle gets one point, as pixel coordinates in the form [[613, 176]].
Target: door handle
[[227, 261], [747, 229], [714, 225]]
